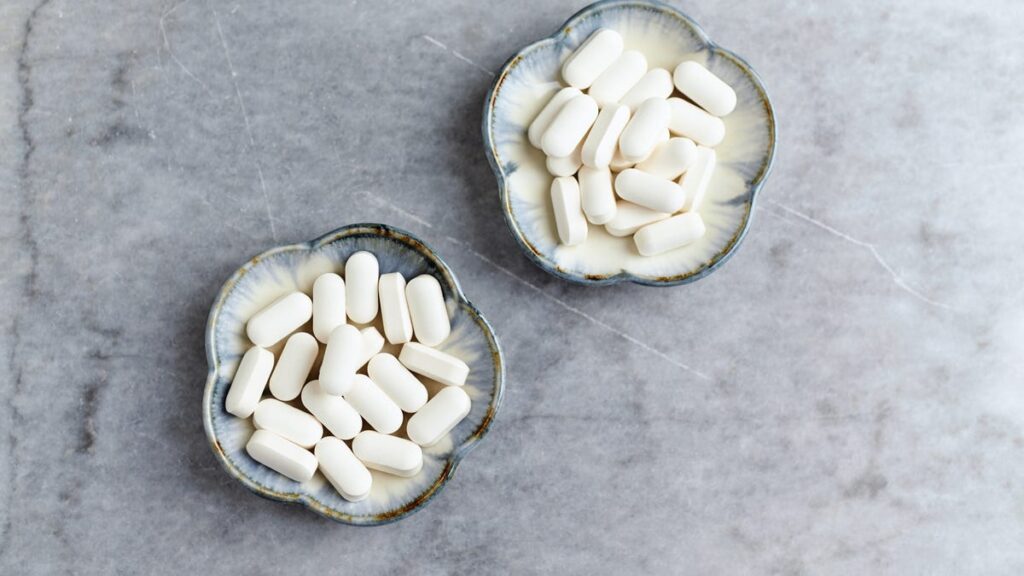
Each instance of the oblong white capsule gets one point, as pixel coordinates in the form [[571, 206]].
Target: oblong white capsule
[[669, 234], [361, 274], [618, 78], [397, 382], [287, 422], [281, 456], [569, 126], [692, 122], [429, 314], [434, 364], [389, 454], [644, 129], [565, 166], [695, 181], [570, 223], [342, 469], [597, 195], [293, 366], [656, 83], [540, 124], [328, 305], [603, 140], [592, 58], [649, 191], [341, 359], [332, 411], [444, 411], [703, 87], [373, 343], [394, 310], [249, 382], [268, 326], [670, 159], [629, 218], [376, 407]]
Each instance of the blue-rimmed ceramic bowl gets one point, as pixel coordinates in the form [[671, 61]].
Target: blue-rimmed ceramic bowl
[[666, 36], [281, 270]]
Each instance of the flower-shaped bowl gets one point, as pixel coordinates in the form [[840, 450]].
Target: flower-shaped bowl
[[285, 269]]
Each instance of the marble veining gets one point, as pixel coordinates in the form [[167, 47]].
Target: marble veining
[[844, 397]]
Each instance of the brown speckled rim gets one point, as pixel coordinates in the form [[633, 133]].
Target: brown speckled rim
[[452, 462], [544, 261]]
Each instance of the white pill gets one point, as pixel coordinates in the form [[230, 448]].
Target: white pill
[[434, 364], [670, 158], [596, 54], [429, 314], [268, 326], [657, 83], [597, 195], [695, 181], [373, 343], [446, 409], [361, 275], [540, 124], [249, 382], [287, 422], [669, 234], [341, 359], [649, 191], [332, 411], [692, 122], [602, 143], [569, 220], [644, 129], [379, 410], [394, 311], [328, 305], [619, 78], [389, 454], [570, 126], [293, 366], [342, 469], [281, 455], [567, 166], [397, 382], [703, 87], [629, 218]]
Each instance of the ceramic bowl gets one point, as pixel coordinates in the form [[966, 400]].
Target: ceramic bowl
[[666, 36], [281, 270]]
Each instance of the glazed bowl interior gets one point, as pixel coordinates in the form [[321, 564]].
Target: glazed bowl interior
[[283, 270], [666, 37]]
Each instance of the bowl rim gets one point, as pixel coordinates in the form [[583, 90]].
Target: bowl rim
[[458, 452], [757, 183]]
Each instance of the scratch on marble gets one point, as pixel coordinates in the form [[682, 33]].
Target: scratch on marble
[[871, 248], [248, 127], [457, 54], [639, 343], [135, 105], [170, 51], [387, 204]]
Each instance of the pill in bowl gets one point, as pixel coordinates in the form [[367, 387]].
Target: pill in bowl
[[628, 146], [349, 374]]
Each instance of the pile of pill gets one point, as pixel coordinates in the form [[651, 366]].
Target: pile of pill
[[625, 152], [290, 421]]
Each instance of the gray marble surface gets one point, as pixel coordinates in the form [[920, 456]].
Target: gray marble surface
[[846, 396]]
